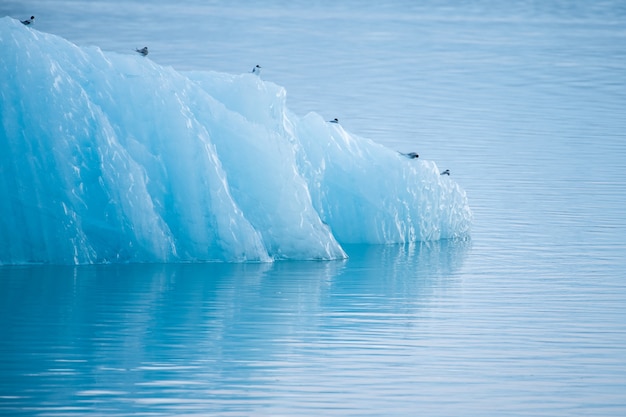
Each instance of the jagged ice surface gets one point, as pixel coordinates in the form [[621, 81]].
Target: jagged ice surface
[[112, 158]]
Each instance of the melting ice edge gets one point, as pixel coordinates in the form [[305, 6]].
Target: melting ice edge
[[113, 158]]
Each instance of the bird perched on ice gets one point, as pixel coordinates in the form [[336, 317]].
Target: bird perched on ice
[[410, 155], [28, 21], [256, 70], [335, 120], [446, 172], [143, 51]]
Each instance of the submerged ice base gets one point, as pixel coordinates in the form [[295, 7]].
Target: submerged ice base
[[113, 158]]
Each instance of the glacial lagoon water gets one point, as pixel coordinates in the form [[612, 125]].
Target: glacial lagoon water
[[523, 101]]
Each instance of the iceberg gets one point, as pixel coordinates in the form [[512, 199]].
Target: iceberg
[[110, 157]]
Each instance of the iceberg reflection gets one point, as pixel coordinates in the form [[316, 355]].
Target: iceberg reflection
[[211, 337]]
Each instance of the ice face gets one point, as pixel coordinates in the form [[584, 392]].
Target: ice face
[[112, 158]]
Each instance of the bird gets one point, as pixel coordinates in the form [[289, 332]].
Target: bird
[[143, 51], [28, 21], [335, 120], [446, 172], [411, 155], [256, 70]]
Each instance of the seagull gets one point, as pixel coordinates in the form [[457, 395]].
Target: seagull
[[28, 21], [143, 51], [335, 120], [256, 70], [410, 155], [446, 172]]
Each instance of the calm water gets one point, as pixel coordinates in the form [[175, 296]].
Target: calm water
[[524, 101]]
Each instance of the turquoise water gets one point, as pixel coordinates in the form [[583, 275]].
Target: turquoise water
[[395, 330], [524, 102]]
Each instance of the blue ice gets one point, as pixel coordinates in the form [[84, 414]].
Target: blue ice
[[111, 157]]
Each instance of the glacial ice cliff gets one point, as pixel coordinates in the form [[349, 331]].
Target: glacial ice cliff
[[111, 157]]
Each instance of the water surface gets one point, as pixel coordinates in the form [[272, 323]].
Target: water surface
[[397, 330]]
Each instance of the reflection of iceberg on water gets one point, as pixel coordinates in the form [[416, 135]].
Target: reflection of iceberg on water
[[113, 158]]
